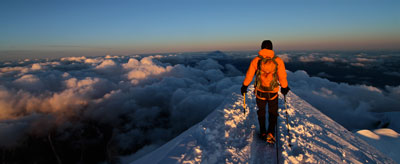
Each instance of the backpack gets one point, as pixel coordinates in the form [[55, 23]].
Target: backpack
[[267, 69]]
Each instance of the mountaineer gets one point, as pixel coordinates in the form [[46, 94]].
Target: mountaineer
[[270, 74]]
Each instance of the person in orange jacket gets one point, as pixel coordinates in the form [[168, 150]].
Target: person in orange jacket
[[267, 87]]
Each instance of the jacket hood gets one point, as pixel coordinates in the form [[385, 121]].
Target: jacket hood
[[266, 53]]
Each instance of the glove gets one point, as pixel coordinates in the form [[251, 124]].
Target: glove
[[243, 89], [284, 91]]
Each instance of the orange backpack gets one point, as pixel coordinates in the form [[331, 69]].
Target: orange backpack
[[266, 75]]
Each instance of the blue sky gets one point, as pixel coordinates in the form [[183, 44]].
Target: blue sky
[[129, 27]]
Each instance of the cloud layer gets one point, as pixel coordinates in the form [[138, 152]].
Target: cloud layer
[[142, 100], [120, 104], [372, 68], [353, 106]]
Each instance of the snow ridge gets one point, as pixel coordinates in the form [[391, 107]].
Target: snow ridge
[[222, 137], [317, 138], [227, 135]]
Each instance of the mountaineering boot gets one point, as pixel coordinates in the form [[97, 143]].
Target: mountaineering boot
[[263, 136], [270, 138]]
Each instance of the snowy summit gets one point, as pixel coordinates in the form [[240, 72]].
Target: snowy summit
[[227, 135]]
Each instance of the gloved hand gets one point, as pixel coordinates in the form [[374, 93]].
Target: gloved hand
[[284, 91], [243, 89]]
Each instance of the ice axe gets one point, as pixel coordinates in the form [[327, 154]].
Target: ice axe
[[244, 103]]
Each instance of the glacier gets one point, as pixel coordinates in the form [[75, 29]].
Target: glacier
[[228, 135]]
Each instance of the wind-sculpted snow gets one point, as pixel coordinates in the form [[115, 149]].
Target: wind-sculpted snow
[[385, 140], [228, 135], [222, 137], [318, 139], [112, 104]]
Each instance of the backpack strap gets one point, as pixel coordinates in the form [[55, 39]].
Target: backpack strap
[[276, 64], [258, 74], [259, 63]]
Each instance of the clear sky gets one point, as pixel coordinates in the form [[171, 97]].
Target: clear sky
[[148, 26]]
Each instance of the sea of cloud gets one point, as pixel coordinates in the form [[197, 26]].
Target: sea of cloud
[[143, 100], [131, 102], [360, 90], [358, 97], [353, 106], [372, 68]]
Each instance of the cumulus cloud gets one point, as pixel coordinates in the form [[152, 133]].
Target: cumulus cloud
[[76, 59], [93, 60], [379, 67], [106, 64], [316, 57], [143, 100], [140, 70], [353, 106], [285, 57], [29, 82], [327, 59], [365, 60], [372, 59], [27, 79], [308, 58], [209, 64], [358, 64], [36, 66], [126, 103]]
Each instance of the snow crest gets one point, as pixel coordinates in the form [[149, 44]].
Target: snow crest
[[222, 137], [228, 135], [316, 138]]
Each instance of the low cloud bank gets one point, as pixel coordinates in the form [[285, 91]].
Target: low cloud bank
[[372, 68], [119, 103], [353, 106]]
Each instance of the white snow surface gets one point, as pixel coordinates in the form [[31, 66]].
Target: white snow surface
[[385, 140], [227, 135]]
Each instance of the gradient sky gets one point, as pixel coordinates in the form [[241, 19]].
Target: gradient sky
[[131, 27]]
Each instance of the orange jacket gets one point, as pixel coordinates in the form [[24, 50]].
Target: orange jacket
[[253, 68]]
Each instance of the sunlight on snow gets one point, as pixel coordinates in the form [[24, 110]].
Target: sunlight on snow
[[369, 134]]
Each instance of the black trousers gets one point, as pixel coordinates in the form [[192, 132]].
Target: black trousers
[[272, 114]]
